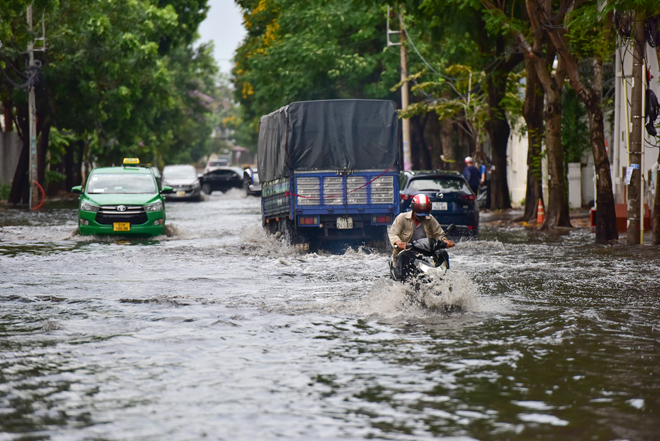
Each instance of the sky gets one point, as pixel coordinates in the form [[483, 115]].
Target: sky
[[223, 26]]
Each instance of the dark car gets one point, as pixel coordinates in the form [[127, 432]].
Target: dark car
[[452, 199], [222, 179]]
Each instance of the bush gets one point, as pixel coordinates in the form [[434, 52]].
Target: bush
[[4, 192]]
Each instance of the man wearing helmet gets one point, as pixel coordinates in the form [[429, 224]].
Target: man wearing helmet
[[416, 224]]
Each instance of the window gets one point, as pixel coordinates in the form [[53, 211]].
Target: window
[[121, 184], [442, 185]]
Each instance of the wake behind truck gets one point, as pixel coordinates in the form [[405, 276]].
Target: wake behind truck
[[329, 171]]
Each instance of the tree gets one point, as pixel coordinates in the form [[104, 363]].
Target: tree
[[118, 79], [460, 34], [584, 17], [307, 50], [557, 213]]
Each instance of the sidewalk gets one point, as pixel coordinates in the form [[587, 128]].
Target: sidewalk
[[580, 218]]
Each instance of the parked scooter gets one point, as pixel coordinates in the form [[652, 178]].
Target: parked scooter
[[420, 260]]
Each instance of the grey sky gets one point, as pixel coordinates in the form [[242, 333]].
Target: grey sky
[[224, 26]]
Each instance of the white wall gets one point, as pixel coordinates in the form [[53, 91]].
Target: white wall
[[517, 163]]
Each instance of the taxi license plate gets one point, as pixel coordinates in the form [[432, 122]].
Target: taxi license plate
[[344, 223], [180, 193], [439, 206], [121, 226]]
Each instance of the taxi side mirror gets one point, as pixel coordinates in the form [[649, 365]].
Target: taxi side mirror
[[76, 189], [166, 190]]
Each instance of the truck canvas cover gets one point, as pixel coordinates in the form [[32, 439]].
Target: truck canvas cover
[[328, 135]]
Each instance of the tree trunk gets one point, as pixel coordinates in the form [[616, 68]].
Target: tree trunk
[[19, 192], [42, 149], [533, 114], [431, 136], [7, 113], [497, 125], [606, 230], [449, 154], [556, 211], [421, 157]]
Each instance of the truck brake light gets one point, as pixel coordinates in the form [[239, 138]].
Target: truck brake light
[[308, 220], [381, 219]]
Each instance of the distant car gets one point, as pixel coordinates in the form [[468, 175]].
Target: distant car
[[214, 164], [222, 179], [183, 180], [121, 200], [251, 182], [453, 202], [157, 175]]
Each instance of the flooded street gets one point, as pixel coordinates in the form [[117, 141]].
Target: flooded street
[[218, 332]]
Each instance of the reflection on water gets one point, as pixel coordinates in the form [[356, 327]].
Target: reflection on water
[[217, 331]]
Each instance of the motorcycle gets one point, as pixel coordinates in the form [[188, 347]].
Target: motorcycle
[[420, 260]]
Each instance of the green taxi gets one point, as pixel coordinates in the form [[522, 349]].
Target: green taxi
[[122, 200]]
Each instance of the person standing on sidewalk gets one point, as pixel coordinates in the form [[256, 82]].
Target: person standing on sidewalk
[[472, 175]]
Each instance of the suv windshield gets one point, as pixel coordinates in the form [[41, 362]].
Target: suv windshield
[[179, 173], [438, 184], [121, 184]]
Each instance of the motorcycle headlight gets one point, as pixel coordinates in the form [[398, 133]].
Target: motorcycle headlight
[[86, 206], [424, 268], [156, 206]]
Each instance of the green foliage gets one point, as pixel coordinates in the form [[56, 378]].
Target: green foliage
[[299, 50], [120, 75], [4, 192], [575, 126]]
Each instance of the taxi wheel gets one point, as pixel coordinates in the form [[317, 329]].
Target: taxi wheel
[[206, 189]]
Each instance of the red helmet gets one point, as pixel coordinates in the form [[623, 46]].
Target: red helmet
[[421, 205]]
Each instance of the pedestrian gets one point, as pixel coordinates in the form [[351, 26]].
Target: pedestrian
[[484, 183], [472, 174]]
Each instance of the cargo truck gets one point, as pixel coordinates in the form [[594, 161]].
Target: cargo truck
[[329, 171]]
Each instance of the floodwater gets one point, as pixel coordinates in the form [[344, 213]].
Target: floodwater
[[217, 332]]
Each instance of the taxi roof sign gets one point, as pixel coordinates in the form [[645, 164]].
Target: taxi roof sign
[[131, 161]]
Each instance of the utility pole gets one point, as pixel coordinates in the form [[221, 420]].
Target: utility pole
[[634, 171], [32, 115], [405, 123]]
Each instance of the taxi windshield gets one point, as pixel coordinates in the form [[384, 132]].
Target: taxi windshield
[[121, 184]]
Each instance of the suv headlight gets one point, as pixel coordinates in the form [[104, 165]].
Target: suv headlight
[[156, 206], [86, 206]]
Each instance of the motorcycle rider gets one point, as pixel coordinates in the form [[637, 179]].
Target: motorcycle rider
[[416, 224]]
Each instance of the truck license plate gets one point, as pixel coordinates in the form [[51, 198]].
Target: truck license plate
[[439, 206], [344, 223], [121, 226]]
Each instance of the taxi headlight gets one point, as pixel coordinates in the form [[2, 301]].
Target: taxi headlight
[[86, 206], [156, 206]]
